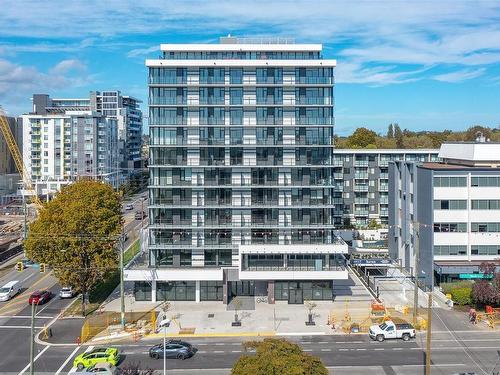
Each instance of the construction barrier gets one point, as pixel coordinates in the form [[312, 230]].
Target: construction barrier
[[108, 320]]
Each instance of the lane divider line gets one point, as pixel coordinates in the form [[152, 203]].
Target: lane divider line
[[66, 361], [34, 360]]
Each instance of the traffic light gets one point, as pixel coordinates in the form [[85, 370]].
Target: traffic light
[[42, 267], [19, 266]]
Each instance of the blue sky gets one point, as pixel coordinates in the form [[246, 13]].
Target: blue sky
[[425, 64]]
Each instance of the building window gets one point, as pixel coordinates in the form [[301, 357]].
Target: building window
[[492, 250], [485, 227], [142, 291], [485, 204], [450, 181], [211, 290], [485, 181], [176, 291], [450, 227], [450, 250], [450, 204]]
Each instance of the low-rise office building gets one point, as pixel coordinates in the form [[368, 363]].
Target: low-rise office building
[[454, 208]]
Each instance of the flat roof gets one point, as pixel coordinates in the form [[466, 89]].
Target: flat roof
[[471, 151], [241, 47], [457, 167]]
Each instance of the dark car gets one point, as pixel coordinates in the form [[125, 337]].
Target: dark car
[[174, 349], [40, 297], [139, 215]]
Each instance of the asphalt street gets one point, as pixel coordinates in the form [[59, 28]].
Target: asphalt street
[[341, 354]]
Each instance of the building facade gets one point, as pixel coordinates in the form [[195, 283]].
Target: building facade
[[454, 208], [126, 110], [361, 183], [65, 144], [241, 174]]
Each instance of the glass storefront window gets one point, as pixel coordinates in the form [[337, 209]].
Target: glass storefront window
[[211, 290], [176, 291], [142, 291]]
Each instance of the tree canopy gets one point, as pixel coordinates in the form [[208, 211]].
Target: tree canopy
[[76, 234], [397, 138], [278, 357]]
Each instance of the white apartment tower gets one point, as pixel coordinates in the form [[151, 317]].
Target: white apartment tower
[[241, 174]]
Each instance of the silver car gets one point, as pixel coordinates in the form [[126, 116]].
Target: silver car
[[66, 292]]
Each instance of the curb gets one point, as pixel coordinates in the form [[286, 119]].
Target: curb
[[221, 334]]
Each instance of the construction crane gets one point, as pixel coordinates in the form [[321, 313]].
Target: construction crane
[[18, 160]]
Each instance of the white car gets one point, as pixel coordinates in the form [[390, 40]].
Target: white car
[[66, 292], [129, 207], [390, 330]]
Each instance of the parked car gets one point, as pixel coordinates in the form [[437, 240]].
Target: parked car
[[66, 292], [26, 263], [391, 330], [40, 297], [129, 207], [140, 214], [9, 290], [102, 368], [95, 356], [173, 349]]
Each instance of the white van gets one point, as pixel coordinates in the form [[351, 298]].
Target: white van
[[9, 290]]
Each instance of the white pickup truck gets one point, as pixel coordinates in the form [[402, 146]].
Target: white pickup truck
[[391, 330]]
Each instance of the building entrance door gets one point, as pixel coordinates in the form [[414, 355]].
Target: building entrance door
[[295, 296], [241, 288]]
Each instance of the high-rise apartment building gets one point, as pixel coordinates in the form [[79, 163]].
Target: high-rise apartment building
[[361, 183], [129, 116], [454, 208], [64, 141], [241, 173]]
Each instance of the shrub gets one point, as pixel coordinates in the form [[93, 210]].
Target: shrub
[[449, 287], [462, 296]]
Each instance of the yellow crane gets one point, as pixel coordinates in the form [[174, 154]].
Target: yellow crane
[[18, 159]]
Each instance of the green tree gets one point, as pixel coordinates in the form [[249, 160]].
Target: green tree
[[76, 235], [362, 137], [398, 135], [390, 131], [277, 356], [373, 224]]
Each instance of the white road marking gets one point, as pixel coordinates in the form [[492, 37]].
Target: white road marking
[[34, 360], [24, 317], [360, 349], [308, 350], [326, 350], [26, 278], [218, 351], [27, 327], [67, 360], [235, 351], [343, 350]]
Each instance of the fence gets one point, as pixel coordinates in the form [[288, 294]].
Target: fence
[[109, 321]]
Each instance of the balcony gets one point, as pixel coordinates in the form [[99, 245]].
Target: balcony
[[360, 188], [361, 176], [383, 187], [361, 163]]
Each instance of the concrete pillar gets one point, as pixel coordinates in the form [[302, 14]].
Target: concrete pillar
[[270, 291], [197, 292], [153, 291]]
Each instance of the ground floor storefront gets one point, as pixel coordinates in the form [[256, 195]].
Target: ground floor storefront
[[449, 271], [292, 291]]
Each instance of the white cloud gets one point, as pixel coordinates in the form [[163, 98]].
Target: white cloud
[[459, 75], [19, 82], [143, 51]]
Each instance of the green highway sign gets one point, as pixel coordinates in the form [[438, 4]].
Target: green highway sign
[[474, 276]]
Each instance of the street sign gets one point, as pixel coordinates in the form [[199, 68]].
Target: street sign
[[474, 276], [370, 262]]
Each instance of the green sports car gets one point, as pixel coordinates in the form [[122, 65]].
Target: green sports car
[[97, 355]]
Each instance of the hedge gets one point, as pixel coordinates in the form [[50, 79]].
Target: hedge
[[462, 296], [449, 287]]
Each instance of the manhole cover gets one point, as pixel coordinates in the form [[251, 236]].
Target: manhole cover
[[211, 315]]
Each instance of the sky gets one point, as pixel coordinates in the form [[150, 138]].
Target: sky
[[427, 64]]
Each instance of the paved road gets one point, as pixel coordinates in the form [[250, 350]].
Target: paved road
[[341, 355]]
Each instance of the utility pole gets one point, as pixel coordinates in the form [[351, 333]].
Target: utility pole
[[32, 343], [142, 213], [428, 350], [122, 292], [416, 231]]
